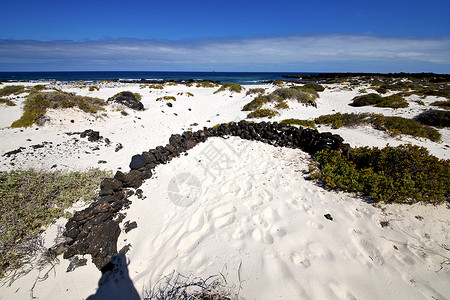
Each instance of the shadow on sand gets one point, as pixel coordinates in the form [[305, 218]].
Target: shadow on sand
[[115, 283]]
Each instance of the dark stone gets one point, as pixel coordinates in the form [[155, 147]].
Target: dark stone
[[93, 136], [118, 147], [102, 242], [137, 161], [169, 104], [128, 99], [328, 217], [76, 262], [133, 179], [111, 183], [149, 157], [129, 226]]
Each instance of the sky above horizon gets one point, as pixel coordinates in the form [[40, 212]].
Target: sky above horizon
[[294, 36]]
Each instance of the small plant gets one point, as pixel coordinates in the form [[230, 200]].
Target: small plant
[[303, 123], [232, 87], [256, 103], [12, 90], [258, 91], [156, 86], [263, 113], [282, 105], [206, 84], [166, 98], [278, 83], [171, 83], [439, 118], [442, 104], [189, 94], [93, 88], [39, 87], [124, 113], [37, 103], [7, 102]]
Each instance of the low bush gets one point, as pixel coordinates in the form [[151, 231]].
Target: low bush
[[256, 103], [166, 98], [282, 105], [314, 86], [136, 95], [93, 88], [368, 99], [12, 90], [232, 87], [258, 91], [31, 200], [442, 104], [439, 118], [7, 102], [156, 86], [207, 84], [393, 101], [393, 174], [39, 87], [263, 113], [396, 125], [189, 94], [303, 123], [37, 103], [299, 94]]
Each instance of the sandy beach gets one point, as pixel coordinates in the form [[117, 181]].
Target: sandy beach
[[241, 210]]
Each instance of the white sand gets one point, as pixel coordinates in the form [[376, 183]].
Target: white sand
[[246, 210]]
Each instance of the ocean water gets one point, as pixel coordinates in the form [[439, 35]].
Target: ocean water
[[223, 77]]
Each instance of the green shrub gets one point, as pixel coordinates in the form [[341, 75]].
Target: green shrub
[[12, 89], [368, 99], [94, 88], [303, 123], [232, 87], [263, 113], [7, 102], [256, 103], [282, 105], [396, 125], [171, 83], [207, 84], [37, 103], [393, 174], [314, 86], [136, 95], [393, 101], [299, 94], [156, 86], [39, 87], [189, 94], [259, 91], [442, 104], [31, 200], [166, 98], [440, 118]]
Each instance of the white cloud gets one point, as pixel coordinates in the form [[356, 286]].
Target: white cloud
[[295, 50]]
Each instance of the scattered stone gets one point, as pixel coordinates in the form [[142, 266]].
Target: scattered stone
[[169, 104], [93, 136], [129, 226], [76, 262], [118, 147], [102, 162], [328, 217]]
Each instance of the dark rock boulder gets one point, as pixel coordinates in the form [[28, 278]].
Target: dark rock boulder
[[128, 99], [138, 161]]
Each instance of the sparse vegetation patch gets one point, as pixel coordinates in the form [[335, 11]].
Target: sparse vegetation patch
[[232, 87], [303, 123], [263, 113], [7, 102], [31, 200], [12, 90], [439, 118], [37, 103]]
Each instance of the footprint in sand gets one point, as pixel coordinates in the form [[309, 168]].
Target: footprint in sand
[[314, 224], [300, 259]]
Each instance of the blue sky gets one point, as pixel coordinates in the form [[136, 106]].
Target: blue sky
[[369, 36]]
